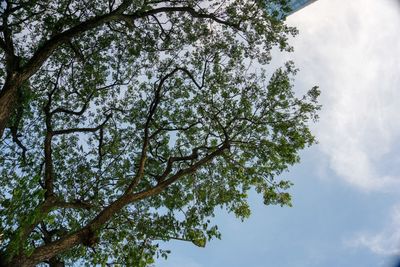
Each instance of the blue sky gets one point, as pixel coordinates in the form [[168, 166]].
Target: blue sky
[[346, 209]]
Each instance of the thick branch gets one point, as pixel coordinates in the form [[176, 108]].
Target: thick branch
[[52, 44], [15, 135], [81, 130], [172, 160], [146, 137], [48, 168], [188, 73], [54, 248], [3, 45], [7, 43], [194, 13]]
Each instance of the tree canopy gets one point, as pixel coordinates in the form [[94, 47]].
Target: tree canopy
[[126, 123]]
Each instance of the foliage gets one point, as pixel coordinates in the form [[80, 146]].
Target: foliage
[[135, 120]]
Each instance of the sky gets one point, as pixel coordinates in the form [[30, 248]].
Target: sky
[[346, 193]]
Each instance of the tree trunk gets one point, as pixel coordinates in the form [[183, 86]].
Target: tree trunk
[[8, 102]]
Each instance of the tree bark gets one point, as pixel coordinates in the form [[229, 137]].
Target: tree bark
[[8, 101]]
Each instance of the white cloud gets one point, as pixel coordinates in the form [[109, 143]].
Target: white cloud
[[351, 49], [385, 242]]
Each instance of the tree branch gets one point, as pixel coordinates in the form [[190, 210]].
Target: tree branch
[[48, 168], [7, 43], [172, 160], [15, 135], [194, 13], [146, 138], [48, 47], [117, 15], [81, 130], [80, 236], [3, 45]]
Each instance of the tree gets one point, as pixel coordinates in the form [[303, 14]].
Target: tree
[[128, 122]]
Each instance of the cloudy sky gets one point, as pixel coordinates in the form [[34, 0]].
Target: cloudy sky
[[347, 189]]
